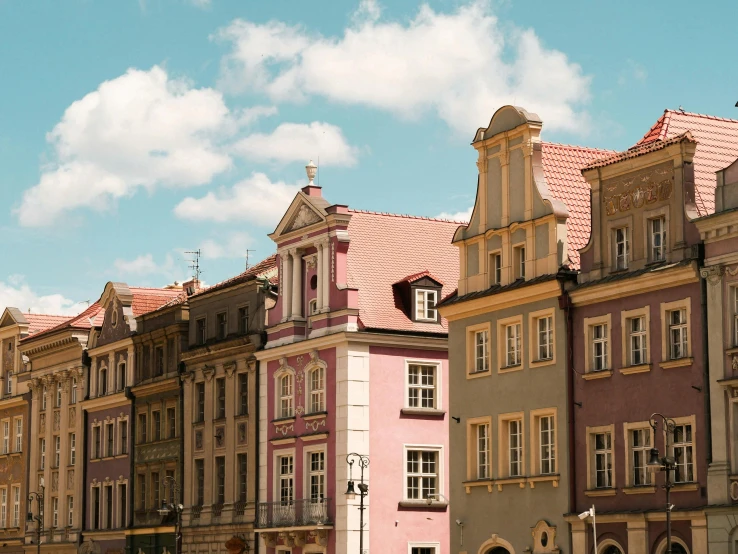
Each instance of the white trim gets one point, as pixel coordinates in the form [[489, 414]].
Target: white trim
[[437, 380], [306, 451], [276, 454], [439, 449]]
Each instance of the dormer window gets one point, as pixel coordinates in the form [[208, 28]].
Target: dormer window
[[425, 305]]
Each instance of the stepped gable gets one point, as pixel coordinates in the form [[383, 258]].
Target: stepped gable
[[387, 248]]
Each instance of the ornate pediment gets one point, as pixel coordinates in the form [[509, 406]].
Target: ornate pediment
[[305, 216]]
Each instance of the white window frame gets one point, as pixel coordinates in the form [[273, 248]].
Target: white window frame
[[592, 457], [6, 436], [308, 473], [119, 435], [58, 397], [504, 448], [513, 344], [666, 328], [422, 300], [657, 253], [218, 325], [437, 380], [675, 447], [534, 337], [519, 254], [3, 507], [315, 397], [70, 511], [589, 324], [57, 451], [626, 319], [439, 451], [277, 488], [285, 405], [621, 250], [495, 267], [503, 343], [55, 511], [16, 493], [474, 334], [73, 394], [18, 427], [436, 546], [537, 441], [476, 468], [629, 429], [94, 453], [72, 449], [42, 454]]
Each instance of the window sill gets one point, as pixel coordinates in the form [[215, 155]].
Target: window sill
[[681, 362], [600, 492], [421, 505], [489, 483], [510, 368], [633, 369], [553, 479], [641, 489], [685, 487], [315, 415], [732, 350], [602, 374], [283, 420], [426, 412], [542, 363], [242, 416], [477, 374], [520, 481]]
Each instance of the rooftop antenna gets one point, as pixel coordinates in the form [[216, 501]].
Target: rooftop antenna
[[247, 257], [195, 264]]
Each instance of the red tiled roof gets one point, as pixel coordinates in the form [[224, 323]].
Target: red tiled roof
[[265, 268], [562, 167], [386, 248], [717, 147], [93, 315], [41, 322], [640, 149], [416, 276], [149, 299]]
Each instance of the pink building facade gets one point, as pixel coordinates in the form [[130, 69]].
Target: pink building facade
[[355, 362]]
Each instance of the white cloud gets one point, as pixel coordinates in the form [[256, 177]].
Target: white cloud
[[144, 265], [632, 72], [255, 200], [462, 65], [247, 116], [292, 142], [234, 246], [16, 293], [462, 217], [142, 129]]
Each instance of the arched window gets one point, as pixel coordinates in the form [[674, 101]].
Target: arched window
[[611, 549], [286, 401], [677, 546], [317, 390], [121, 382], [498, 550]]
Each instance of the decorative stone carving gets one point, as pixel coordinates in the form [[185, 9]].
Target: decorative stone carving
[[198, 440], [299, 410], [735, 363], [333, 262], [70, 479], [57, 420], [208, 371], [321, 537], [270, 539], [299, 360], [713, 274], [544, 538], [284, 429], [288, 539], [72, 415], [299, 538], [187, 377], [242, 436], [230, 368], [89, 546], [220, 436], [42, 423], [315, 424], [55, 481], [305, 216], [482, 164]]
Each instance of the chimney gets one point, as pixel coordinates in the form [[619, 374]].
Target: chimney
[[191, 286], [311, 189]]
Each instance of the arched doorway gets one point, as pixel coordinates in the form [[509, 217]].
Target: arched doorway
[[498, 550], [677, 546], [612, 549]]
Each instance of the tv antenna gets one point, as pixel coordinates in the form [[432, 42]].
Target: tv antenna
[[195, 263], [247, 257]]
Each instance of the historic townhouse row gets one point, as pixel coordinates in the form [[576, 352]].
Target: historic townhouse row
[[580, 312]]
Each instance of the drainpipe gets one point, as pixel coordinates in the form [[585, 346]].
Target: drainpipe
[[132, 465], [705, 358], [256, 457], [84, 478]]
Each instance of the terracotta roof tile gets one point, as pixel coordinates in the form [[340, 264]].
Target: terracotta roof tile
[[148, 299], [92, 316], [385, 249], [640, 149], [41, 322], [266, 268], [562, 167], [416, 276]]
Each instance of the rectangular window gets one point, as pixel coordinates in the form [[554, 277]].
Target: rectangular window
[[55, 511], [425, 305], [638, 340], [221, 321], [96, 442], [317, 476], [547, 444], [72, 449], [108, 506], [103, 385], [73, 395], [159, 360], [657, 238], [599, 347], [200, 397], [220, 480], [42, 453], [421, 386], [44, 393], [640, 449], [123, 446], [95, 507], [422, 474], [200, 331], [121, 376], [481, 351], [423, 550], [58, 395], [285, 396], [19, 434], [156, 425], [199, 482], [515, 447], [57, 450], [286, 466], [603, 460], [243, 320], [481, 439], [70, 511], [242, 477], [495, 266], [141, 480], [544, 337], [142, 428], [109, 439], [317, 390], [16, 505], [220, 401], [512, 345], [243, 393], [6, 436], [678, 341], [621, 248], [683, 444], [3, 506], [155, 490], [171, 423], [122, 505], [519, 260]]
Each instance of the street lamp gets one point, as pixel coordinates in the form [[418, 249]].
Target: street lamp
[[591, 513], [174, 506], [363, 490], [666, 463], [39, 518]]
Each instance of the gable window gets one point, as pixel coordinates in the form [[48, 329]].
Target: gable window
[[317, 390], [200, 331], [512, 345], [519, 260], [657, 239], [683, 450], [621, 248], [200, 399], [603, 460], [638, 340], [425, 305], [285, 396], [421, 379], [243, 320], [220, 400], [221, 322], [678, 341], [422, 470], [495, 267]]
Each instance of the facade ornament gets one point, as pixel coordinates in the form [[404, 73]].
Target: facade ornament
[[299, 410], [305, 216], [713, 274], [241, 433], [735, 363], [270, 539], [54, 481], [251, 365], [731, 272], [482, 163], [57, 420], [284, 429], [188, 377], [282, 363], [219, 436], [313, 425], [288, 539], [299, 360], [235, 545], [198, 439], [311, 261], [321, 537], [72, 415], [230, 368], [42, 423], [299, 538], [333, 262], [208, 371], [89, 546]]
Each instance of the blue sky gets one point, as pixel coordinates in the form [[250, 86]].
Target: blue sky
[[133, 130]]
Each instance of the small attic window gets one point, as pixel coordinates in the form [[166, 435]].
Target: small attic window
[[425, 305], [114, 318]]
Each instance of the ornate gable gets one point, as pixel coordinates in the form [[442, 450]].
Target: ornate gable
[[305, 216], [305, 211]]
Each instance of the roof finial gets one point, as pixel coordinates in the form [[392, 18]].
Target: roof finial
[[311, 169]]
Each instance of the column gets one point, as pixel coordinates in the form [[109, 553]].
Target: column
[[321, 275], [638, 536], [699, 536], [286, 284], [579, 537], [296, 283], [326, 271]]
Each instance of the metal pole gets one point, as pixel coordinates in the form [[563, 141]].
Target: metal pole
[[594, 528]]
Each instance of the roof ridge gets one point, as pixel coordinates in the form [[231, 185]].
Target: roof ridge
[[702, 115], [160, 289], [49, 315], [589, 148], [406, 216]]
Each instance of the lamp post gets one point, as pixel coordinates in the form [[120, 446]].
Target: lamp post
[[666, 463], [591, 513], [363, 490], [39, 518], [166, 509]]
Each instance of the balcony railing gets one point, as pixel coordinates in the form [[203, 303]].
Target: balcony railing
[[296, 513]]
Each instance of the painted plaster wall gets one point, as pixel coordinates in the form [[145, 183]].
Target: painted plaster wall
[[633, 398], [393, 527], [512, 512]]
